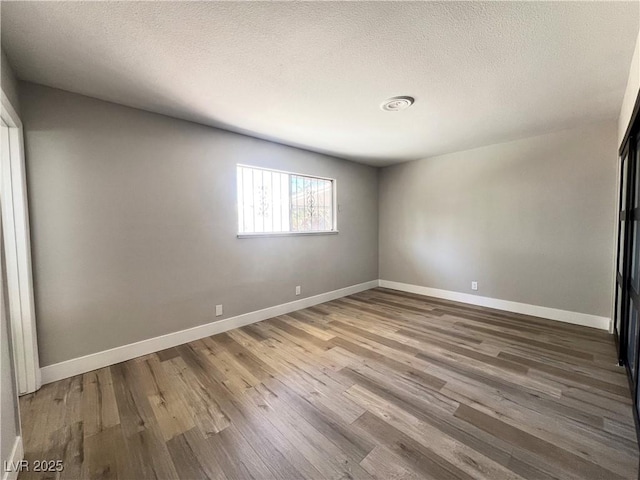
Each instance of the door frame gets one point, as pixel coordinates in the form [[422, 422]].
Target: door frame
[[17, 246], [618, 327]]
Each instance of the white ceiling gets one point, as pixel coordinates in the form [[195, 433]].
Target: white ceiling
[[314, 74]]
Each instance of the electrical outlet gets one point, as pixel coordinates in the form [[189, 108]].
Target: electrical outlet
[[474, 285], [218, 310], [298, 290]]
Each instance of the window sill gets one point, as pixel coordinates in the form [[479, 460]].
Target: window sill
[[286, 234]]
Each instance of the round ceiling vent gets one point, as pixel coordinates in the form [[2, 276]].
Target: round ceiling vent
[[395, 104]]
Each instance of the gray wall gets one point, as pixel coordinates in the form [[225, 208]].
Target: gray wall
[[133, 223], [9, 412], [631, 93], [8, 81], [531, 220]]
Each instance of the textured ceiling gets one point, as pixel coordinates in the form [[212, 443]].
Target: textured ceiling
[[314, 74]]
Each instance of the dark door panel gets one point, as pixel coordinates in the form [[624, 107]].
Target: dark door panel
[[627, 288]]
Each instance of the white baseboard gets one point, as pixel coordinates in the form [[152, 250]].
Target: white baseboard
[[17, 455], [87, 363], [567, 316]]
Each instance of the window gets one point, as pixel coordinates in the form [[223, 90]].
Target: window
[[274, 202]]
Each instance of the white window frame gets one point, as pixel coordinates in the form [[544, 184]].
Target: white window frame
[[334, 206]]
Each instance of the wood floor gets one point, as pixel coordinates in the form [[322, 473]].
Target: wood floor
[[381, 384]]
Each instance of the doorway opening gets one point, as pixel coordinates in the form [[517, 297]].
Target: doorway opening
[[626, 323]]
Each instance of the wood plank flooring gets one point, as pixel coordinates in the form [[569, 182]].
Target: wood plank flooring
[[378, 385]]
